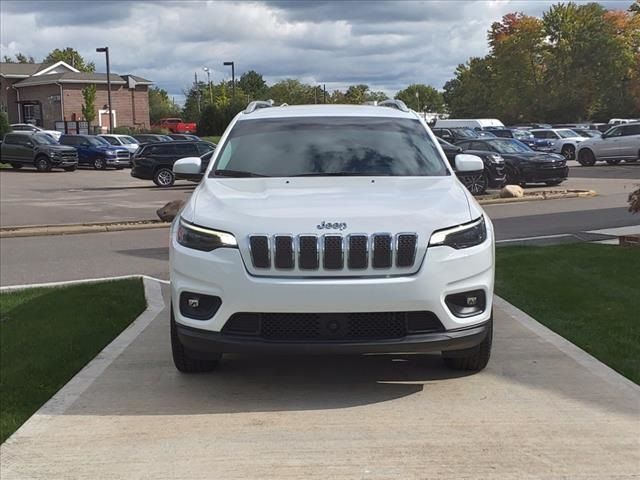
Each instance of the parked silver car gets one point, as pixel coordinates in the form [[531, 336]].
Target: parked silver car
[[621, 142]]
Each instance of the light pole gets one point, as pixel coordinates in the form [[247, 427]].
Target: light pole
[[208, 70], [233, 77], [105, 50]]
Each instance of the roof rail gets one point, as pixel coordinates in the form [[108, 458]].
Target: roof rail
[[397, 104], [255, 105]]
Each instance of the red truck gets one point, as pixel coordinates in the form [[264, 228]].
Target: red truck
[[176, 125]]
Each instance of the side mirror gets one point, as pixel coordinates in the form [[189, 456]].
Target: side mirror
[[188, 168], [468, 163]]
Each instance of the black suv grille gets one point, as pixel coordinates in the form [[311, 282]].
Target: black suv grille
[[292, 327]]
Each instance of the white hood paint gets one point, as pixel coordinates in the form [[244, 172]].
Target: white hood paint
[[297, 205]]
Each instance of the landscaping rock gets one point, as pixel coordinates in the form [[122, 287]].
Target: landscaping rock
[[511, 191], [170, 210]]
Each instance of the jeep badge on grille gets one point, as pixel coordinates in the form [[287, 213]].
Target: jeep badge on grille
[[332, 226]]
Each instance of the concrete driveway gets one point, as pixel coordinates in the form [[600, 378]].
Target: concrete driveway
[[542, 409]]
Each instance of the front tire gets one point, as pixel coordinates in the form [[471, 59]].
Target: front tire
[[164, 177], [513, 177], [586, 158], [100, 164], [473, 359], [569, 152], [476, 184], [184, 362], [43, 164]]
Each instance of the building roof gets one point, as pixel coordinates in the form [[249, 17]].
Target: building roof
[[19, 70], [60, 72]]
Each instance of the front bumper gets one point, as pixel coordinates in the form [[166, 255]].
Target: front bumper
[[443, 271], [117, 162], [543, 174], [203, 342]]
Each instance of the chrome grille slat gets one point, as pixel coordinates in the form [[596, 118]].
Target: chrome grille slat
[[333, 252]]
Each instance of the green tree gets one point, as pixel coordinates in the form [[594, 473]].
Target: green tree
[[19, 58], [253, 85], [89, 103], [71, 57], [422, 98], [292, 92], [4, 124], [161, 106], [472, 92]]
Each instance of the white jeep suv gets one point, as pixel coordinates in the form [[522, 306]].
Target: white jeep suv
[[330, 229], [563, 140], [616, 144]]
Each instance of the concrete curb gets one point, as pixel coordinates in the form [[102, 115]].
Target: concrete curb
[[535, 198], [80, 382], [71, 229], [589, 362]]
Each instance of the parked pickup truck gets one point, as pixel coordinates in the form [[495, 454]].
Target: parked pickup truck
[[39, 150], [176, 125]]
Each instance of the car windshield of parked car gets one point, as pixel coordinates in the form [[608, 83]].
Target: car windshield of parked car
[[128, 140], [566, 133], [95, 141], [43, 139], [330, 146], [510, 146], [466, 133], [522, 135]]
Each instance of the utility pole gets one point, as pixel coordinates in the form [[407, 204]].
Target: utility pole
[[208, 70], [233, 77], [105, 50], [324, 92], [197, 87]]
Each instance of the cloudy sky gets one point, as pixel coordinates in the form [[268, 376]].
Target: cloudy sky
[[387, 45]]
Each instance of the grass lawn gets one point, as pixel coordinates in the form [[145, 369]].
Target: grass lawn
[[588, 293], [213, 139], [48, 334]]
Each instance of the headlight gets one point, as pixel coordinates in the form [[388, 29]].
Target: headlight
[[204, 239], [111, 153], [495, 158], [462, 236]]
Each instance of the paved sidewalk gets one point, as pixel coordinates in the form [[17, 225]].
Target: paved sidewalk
[[540, 410]]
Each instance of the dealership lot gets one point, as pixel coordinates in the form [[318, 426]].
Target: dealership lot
[[540, 409], [31, 198]]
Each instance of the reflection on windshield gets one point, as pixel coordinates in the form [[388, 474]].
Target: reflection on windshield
[[375, 146], [44, 139], [510, 146], [566, 133]]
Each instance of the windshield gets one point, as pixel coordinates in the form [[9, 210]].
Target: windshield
[[566, 133], [96, 141], [43, 139], [324, 146], [466, 133], [522, 135], [128, 140], [510, 146]]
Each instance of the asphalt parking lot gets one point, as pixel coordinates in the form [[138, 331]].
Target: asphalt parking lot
[[31, 198], [541, 409]]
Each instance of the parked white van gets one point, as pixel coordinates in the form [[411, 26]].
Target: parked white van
[[474, 123]]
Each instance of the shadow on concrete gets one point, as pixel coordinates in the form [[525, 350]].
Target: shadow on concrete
[[160, 253]]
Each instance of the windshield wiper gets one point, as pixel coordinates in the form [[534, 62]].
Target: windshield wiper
[[236, 173], [333, 174]]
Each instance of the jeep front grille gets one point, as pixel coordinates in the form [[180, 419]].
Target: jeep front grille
[[333, 252]]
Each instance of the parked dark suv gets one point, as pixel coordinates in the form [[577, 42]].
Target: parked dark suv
[[39, 150], [493, 175], [154, 161], [454, 135]]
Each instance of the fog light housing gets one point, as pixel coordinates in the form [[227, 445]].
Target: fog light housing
[[467, 304], [199, 306]]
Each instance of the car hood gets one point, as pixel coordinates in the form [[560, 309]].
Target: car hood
[[58, 148], [299, 205], [537, 157]]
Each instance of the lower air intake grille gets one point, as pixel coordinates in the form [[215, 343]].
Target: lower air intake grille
[[322, 327]]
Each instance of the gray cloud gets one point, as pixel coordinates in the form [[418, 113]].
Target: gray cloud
[[387, 45]]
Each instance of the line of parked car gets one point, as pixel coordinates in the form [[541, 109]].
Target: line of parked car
[[534, 153], [151, 156]]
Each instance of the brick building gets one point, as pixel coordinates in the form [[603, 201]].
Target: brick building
[[46, 94]]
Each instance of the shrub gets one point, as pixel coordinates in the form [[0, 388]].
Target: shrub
[[124, 130], [4, 125]]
